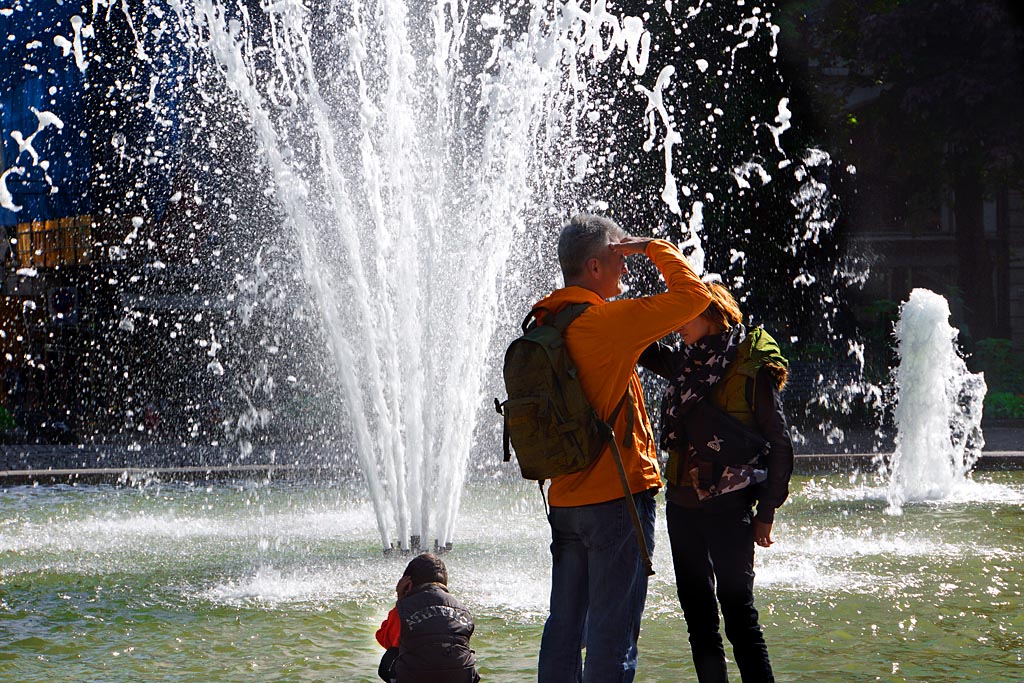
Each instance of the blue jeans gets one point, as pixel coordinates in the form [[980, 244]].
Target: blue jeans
[[595, 562]]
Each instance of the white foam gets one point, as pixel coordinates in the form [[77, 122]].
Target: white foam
[[656, 112], [271, 587], [782, 122]]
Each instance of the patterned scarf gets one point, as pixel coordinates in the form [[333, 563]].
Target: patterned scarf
[[700, 367]]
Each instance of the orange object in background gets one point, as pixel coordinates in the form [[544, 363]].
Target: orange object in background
[[53, 243]]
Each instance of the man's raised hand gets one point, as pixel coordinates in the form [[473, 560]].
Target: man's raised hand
[[630, 245]]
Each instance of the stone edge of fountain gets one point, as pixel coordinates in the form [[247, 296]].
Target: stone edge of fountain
[[79, 464]]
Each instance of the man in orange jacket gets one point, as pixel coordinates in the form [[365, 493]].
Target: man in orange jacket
[[598, 582]]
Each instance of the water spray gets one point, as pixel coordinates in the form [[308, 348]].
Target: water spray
[[938, 405]]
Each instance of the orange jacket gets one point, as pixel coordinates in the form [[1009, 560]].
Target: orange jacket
[[605, 342]]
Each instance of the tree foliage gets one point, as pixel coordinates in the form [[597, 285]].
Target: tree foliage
[[930, 100]]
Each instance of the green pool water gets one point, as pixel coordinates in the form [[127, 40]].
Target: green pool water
[[286, 582]]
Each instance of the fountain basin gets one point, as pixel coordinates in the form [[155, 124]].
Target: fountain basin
[[285, 581]]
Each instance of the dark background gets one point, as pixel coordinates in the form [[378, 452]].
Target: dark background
[[902, 168]]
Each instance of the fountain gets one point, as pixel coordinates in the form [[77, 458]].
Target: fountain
[[405, 163], [406, 151], [407, 196], [938, 406], [411, 150]]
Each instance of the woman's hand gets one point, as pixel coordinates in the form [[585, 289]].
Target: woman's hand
[[403, 587], [763, 533]]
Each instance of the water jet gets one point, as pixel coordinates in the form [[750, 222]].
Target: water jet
[[938, 406]]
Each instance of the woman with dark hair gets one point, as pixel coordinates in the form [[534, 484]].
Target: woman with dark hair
[[729, 449]]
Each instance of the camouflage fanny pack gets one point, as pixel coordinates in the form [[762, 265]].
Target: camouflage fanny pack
[[723, 454], [733, 478]]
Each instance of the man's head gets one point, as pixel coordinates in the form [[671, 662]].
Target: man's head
[[426, 568], [586, 258]]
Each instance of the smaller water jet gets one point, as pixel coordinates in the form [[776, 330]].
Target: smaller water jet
[[938, 405]]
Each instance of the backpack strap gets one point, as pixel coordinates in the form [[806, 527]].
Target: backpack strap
[[560, 320], [531, 319], [506, 438], [565, 317], [618, 408], [641, 540], [627, 441]]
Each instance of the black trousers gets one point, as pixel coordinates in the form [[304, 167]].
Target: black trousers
[[713, 554]]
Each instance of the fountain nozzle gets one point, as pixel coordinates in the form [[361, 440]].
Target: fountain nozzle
[[415, 547]]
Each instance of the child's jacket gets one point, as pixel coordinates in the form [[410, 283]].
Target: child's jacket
[[433, 637]]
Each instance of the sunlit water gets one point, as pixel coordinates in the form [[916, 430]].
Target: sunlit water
[[287, 582]]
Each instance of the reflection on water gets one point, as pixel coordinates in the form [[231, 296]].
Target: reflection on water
[[287, 581]]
